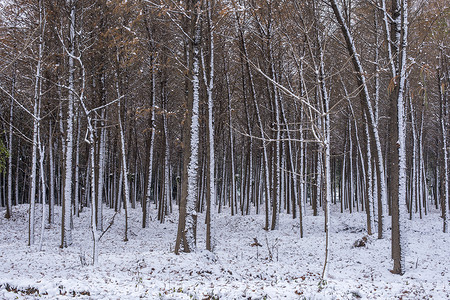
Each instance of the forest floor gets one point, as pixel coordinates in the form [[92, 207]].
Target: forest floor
[[283, 267]]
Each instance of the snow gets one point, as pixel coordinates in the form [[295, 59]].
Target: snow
[[284, 267]]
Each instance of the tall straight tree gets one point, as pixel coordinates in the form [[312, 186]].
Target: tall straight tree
[[443, 81], [10, 148], [66, 230], [325, 140], [36, 123], [189, 189], [398, 187], [209, 81]]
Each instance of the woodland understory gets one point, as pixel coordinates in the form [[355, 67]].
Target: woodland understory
[[211, 108]]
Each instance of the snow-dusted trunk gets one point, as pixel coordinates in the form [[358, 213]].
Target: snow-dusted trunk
[[363, 176], [16, 185], [369, 184], [277, 159], [126, 188], [251, 185], [91, 174], [316, 199], [443, 81], [302, 186], [66, 231], [210, 244], [188, 216], [51, 202], [351, 197], [101, 173], [118, 204], [211, 186], [166, 195], [10, 149], [293, 187], [327, 199], [414, 193], [375, 195], [33, 176], [36, 124], [376, 96], [77, 170], [343, 175], [95, 232], [60, 154], [327, 159], [399, 210], [224, 181], [231, 135], [43, 191], [445, 193], [192, 185], [146, 212], [423, 190]]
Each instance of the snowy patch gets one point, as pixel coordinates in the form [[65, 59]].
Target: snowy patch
[[282, 266]]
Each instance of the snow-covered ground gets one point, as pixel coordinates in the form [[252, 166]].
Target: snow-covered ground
[[284, 267]]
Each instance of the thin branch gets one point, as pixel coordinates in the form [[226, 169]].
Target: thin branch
[[111, 222]]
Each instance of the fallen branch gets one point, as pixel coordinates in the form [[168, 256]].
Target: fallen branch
[[109, 226]]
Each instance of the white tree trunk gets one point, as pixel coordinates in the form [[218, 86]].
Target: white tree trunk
[[167, 190], [443, 193], [66, 233], [77, 170], [209, 80], [125, 175], [91, 172], [277, 181], [326, 146], [369, 181], [10, 146], [230, 128], [43, 192], [399, 258], [101, 172], [51, 204], [36, 124], [445, 197], [192, 168], [16, 187], [152, 142]]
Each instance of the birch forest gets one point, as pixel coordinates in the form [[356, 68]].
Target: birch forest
[[126, 121]]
